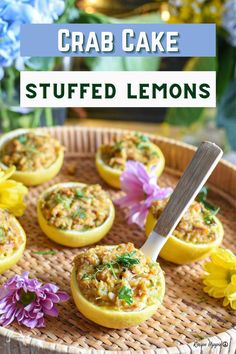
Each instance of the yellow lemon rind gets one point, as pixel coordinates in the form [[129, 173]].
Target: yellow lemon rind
[[112, 318], [112, 176], [8, 262], [73, 238], [181, 252], [32, 178]]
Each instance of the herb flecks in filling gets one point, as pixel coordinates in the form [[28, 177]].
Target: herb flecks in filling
[[30, 152], [135, 147], [76, 208], [10, 238], [118, 277], [196, 226]]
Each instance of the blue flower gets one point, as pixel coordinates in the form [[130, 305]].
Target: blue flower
[[229, 20], [13, 13]]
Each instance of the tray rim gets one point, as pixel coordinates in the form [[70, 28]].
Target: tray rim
[[49, 347]]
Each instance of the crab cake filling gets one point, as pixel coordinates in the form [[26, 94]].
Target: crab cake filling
[[197, 226], [76, 208], [118, 277], [30, 152], [136, 147], [10, 238]]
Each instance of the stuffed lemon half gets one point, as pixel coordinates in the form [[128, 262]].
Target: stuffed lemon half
[[12, 240], [37, 157], [111, 158], [117, 286], [198, 233], [75, 214]]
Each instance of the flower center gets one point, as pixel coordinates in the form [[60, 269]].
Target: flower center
[[27, 298]]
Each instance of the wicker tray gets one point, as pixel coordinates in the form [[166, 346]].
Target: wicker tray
[[189, 321]]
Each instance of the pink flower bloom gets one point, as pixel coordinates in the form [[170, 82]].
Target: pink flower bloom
[[141, 189], [27, 301]]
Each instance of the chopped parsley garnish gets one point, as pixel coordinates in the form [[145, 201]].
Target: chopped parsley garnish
[[202, 199], [79, 194], [64, 200], [100, 268], [142, 146], [118, 146], [109, 265], [22, 139], [2, 236], [125, 294], [208, 219], [32, 149], [85, 277], [127, 259], [142, 138], [79, 213]]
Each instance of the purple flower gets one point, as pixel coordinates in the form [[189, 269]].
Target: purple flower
[[27, 301], [141, 189]]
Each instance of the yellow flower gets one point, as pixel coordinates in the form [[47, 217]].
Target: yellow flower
[[12, 193], [220, 279]]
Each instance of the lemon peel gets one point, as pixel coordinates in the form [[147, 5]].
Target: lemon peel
[[112, 318], [9, 261], [74, 238], [181, 252], [32, 178], [112, 176]]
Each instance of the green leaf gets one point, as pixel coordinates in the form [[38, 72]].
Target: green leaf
[[85, 17], [226, 113], [125, 294], [202, 194], [79, 194], [66, 201], [22, 139], [226, 62], [127, 259], [123, 63], [45, 253], [44, 64], [201, 197], [142, 138], [79, 213], [201, 64], [186, 116]]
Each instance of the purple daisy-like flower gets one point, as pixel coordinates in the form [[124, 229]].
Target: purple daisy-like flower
[[27, 301], [141, 189]]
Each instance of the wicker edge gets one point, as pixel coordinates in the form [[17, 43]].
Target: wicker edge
[[224, 177], [13, 342]]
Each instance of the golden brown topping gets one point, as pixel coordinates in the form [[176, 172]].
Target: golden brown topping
[[196, 226], [120, 277], [135, 147], [31, 152], [76, 208]]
